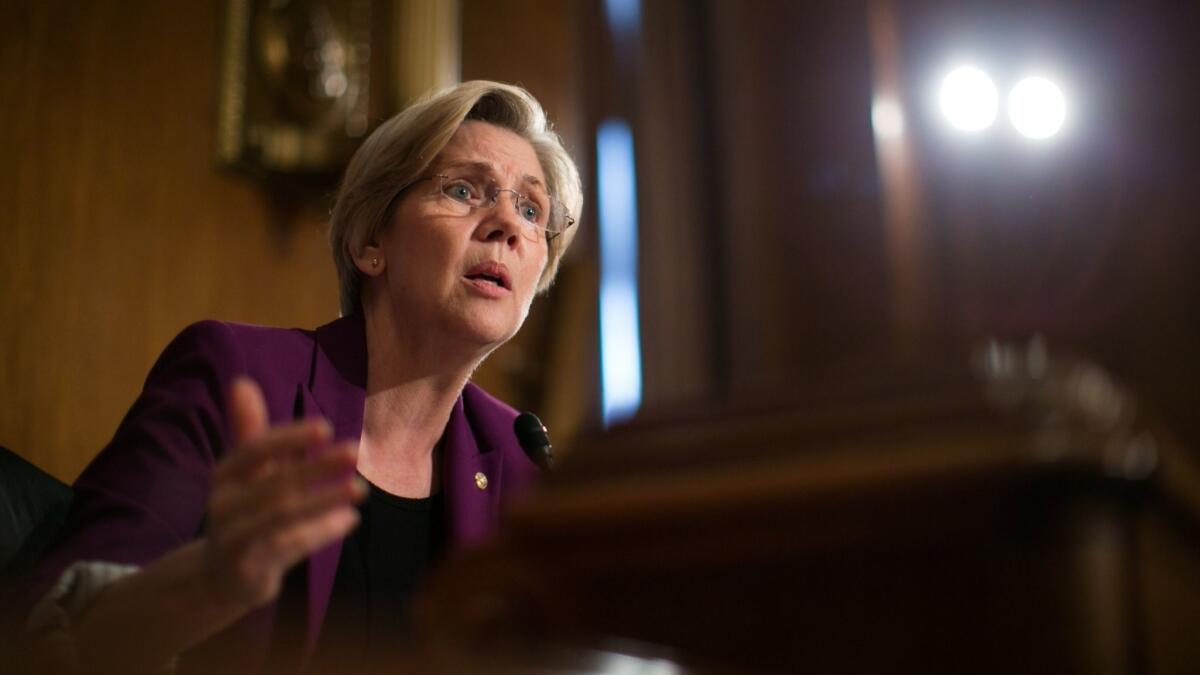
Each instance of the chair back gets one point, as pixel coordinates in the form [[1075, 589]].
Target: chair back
[[33, 506]]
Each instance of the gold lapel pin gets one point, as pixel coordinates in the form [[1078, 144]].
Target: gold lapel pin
[[480, 480]]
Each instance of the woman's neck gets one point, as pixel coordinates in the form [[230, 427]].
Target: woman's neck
[[411, 391]]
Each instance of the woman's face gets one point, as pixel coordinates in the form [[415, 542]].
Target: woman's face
[[441, 268]]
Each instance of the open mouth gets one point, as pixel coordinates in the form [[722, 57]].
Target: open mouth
[[487, 277], [493, 273]]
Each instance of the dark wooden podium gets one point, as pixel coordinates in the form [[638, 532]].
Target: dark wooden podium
[[1018, 518]]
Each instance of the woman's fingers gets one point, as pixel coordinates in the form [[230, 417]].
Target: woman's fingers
[[283, 533], [292, 544], [247, 408], [257, 552], [288, 481], [256, 575], [282, 442], [271, 504]]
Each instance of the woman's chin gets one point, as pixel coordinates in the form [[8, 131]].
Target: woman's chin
[[486, 332]]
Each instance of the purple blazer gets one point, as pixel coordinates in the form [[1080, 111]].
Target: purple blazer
[[146, 492]]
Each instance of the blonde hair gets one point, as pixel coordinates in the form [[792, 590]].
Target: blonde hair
[[401, 150]]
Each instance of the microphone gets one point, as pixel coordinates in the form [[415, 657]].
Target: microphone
[[534, 440]]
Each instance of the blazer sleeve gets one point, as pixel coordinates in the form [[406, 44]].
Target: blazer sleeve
[[146, 492]]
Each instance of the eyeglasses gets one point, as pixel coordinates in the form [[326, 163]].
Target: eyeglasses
[[462, 194]]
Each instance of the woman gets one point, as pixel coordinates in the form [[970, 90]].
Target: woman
[[250, 447]]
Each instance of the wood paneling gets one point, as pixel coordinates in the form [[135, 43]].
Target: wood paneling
[[116, 227]]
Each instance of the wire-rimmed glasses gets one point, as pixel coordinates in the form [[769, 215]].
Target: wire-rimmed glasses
[[463, 193]]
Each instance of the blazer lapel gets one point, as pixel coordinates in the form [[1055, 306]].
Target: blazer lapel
[[471, 479], [336, 391], [338, 380]]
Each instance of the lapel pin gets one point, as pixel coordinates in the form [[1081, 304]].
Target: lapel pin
[[480, 480]]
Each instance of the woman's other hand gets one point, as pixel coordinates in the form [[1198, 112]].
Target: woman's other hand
[[273, 502]]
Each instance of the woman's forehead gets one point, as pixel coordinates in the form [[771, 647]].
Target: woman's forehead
[[487, 170], [480, 146]]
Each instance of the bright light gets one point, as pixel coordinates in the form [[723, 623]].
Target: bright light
[[620, 343], [887, 118], [623, 15], [969, 99], [1037, 107]]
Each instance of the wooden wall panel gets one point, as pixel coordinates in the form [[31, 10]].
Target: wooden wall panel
[[759, 225], [681, 235], [116, 227]]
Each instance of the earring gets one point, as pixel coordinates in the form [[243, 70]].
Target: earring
[[374, 262]]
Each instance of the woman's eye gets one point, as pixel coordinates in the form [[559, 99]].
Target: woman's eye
[[530, 212], [459, 191]]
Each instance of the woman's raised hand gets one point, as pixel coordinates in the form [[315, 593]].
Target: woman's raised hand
[[271, 504]]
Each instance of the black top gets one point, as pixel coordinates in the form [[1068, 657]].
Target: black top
[[381, 563]]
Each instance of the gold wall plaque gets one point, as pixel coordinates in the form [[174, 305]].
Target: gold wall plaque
[[295, 85]]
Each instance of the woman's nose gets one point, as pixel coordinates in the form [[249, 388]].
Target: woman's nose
[[501, 221]]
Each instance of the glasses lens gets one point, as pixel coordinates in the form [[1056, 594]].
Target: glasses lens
[[536, 207], [463, 193]]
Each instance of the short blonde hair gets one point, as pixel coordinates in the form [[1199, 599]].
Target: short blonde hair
[[401, 150]]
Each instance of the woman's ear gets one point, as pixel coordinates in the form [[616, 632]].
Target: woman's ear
[[370, 260]]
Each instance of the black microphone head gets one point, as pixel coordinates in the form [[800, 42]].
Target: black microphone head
[[534, 439]]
